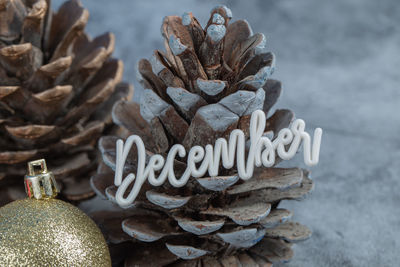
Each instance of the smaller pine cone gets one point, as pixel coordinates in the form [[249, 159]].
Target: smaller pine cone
[[206, 84], [57, 89]]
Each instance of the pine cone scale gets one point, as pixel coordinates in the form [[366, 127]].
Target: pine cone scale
[[46, 75], [13, 157], [71, 20], [20, 60], [12, 14], [33, 24]]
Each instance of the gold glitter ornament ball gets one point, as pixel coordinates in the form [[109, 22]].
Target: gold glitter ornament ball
[[49, 232]]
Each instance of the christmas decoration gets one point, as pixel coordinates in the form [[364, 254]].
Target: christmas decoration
[[57, 88], [205, 86], [44, 231]]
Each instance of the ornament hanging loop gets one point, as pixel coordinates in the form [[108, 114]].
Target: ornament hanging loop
[[40, 183]]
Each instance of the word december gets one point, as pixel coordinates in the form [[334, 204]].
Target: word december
[[262, 151]]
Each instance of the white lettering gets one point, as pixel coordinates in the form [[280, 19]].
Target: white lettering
[[262, 152]]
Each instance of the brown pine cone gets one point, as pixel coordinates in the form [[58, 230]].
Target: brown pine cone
[[57, 89], [207, 83]]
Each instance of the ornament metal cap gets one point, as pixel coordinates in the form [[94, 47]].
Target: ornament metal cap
[[40, 183]]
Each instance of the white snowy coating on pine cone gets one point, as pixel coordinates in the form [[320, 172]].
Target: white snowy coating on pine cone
[[185, 99], [186, 18], [176, 46], [227, 10], [243, 238], [210, 87], [263, 74], [166, 200], [146, 113], [261, 77], [186, 252], [218, 19], [216, 32], [217, 116], [151, 105], [238, 102], [257, 103], [156, 65], [262, 46]]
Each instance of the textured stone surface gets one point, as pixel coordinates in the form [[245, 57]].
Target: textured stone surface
[[339, 65]]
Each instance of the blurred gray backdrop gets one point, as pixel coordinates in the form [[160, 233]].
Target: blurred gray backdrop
[[339, 62]]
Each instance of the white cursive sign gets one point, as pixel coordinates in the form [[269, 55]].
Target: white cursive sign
[[262, 152]]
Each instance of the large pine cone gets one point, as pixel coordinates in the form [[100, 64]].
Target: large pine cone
[[57, 89], [207, 83]]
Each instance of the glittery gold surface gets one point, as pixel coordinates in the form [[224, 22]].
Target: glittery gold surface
[[49, 233]]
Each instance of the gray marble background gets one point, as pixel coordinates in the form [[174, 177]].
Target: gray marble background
[[339, 62]]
